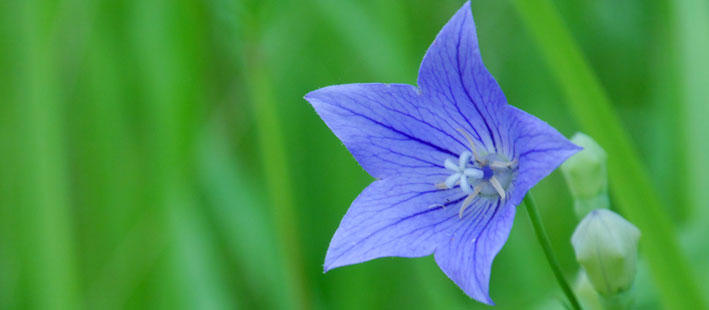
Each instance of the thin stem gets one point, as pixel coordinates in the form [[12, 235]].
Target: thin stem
[[546, 246]]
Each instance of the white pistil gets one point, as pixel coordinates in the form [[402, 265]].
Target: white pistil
[[461, 173], [463, 160], [464, 185], [473, 173]]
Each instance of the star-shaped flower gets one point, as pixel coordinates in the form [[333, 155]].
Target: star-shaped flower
[[452, 161]]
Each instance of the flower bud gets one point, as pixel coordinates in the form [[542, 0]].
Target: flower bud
[[586, 175], [606, 246]]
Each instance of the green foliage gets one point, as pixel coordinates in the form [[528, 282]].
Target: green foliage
[[159, 154], [629, 178]]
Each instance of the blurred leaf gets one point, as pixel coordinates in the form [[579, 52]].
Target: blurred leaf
[[383, 54], [44, 225], [241, 217], [629, 179], [276, 174], [170, 45], [196, 257], [693, 38]]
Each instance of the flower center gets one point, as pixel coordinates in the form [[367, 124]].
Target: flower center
[[488, 175], [487, 172], [498, 173]]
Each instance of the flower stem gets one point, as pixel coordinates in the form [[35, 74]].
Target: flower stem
[[546, 246]]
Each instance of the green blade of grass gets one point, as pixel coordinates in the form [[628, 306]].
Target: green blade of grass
[[47, 239], [629, 179], [196, 256], [692, 28], [242, 220], [169, 37], [385, 59], [9, 284], [668, 142], [277, 177]]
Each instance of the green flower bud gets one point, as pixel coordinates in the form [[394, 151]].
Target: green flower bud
[[586, 175], [606, 246]]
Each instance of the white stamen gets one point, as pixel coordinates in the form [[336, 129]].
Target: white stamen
[[499, 164], [468, 200], [472, 178], [498, 187], [472, 144]]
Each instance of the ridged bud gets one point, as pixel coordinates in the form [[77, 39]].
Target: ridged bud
[[606, 246], [586, 175]]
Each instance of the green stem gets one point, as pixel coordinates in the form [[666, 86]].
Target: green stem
[[546, 246]]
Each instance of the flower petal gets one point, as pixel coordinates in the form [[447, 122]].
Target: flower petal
[[466, 258], [396, 216], [453, 75], [388, 128], [540, 149]]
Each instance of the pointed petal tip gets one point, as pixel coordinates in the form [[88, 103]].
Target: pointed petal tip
[[466, 10], [573, 149], [327, 266], [317, 94], [311, 95], [329, 263], [485, 299], [310, 98], [576, 148], [567, 144], [333, 262]]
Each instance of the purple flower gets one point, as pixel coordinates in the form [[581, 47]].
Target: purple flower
[[452, 161]]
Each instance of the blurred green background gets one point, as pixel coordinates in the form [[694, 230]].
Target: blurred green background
[[159, 154]]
